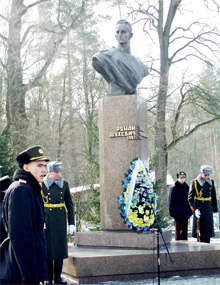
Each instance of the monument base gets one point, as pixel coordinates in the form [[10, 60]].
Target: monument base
[[92, 265], [119, 239]]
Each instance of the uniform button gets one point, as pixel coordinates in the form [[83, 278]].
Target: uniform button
[[61, 197], [50, 209], [48, 193], [49, 198], [61, 192]]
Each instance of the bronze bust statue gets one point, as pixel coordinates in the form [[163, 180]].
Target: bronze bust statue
[[118, 66]]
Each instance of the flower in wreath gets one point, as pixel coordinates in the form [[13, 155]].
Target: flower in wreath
[[132, 216]]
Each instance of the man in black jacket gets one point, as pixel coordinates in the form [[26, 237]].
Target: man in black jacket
[[179, 207], [23, 253]]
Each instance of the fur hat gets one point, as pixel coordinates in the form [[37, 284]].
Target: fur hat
[[55, 166], [206, 169]]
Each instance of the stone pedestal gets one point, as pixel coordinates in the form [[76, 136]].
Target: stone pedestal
[[93, 265], [122, 137], [121, 239]]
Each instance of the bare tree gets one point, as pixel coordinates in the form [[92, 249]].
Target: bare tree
[[177, 43], [16, 40]]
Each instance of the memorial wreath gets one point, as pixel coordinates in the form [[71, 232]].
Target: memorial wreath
[[138, 201]]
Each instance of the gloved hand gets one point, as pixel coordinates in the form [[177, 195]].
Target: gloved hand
[[215, 216], [72, 229], [197, 213]]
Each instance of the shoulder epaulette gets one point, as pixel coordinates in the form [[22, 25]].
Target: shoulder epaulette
[[22, 181]]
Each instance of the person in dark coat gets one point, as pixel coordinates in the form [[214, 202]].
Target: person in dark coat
[[203, 202], [23, 252], [5, 182], [57, 199], [179, 207]]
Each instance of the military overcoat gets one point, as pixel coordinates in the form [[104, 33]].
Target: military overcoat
[[178, 201], [23, 253], [207, 207], [56, 218]]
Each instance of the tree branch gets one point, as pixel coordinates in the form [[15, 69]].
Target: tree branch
[[60, 37], [3, 17], [187, 134], [5, 39]]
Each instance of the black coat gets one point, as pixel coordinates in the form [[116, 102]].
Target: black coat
[[206, 208], [178, 201], [56, 220], [23, 253]]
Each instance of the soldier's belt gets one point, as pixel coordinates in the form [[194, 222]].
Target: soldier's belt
[[54, 205], [203, 199]]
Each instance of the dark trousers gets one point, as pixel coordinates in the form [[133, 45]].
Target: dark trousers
[[181, 229], [206, 240], [9, 282], [54, 268]]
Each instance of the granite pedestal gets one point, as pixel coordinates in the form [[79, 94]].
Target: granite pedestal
[[122, 137], [120, 239], [92, 265]]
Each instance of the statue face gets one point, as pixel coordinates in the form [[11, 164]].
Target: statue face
[[123, 33]]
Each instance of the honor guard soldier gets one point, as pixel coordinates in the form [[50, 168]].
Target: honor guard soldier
[[23, 252], [203, 202], [57, 199], [179, 207]]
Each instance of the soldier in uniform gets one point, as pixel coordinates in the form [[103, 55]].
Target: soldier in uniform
[[57, 198], [5, 182], [179, 207], [203, 202], [23, 252]]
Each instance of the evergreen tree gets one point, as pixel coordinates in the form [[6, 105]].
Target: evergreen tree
[[7, 155]]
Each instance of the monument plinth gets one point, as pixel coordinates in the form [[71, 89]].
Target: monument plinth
[[122, 137]]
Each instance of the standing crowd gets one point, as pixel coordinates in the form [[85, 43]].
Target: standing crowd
[[34, 218], [37, 207]]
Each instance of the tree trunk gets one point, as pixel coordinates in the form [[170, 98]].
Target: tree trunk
[[70, 91], [160, 137], [161, 149], [15, 92]]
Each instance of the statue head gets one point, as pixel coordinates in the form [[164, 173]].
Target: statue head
[[123, 32], [124, 22]]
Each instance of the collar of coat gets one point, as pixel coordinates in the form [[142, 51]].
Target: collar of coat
[[201, 181], [179, 185], [48, 181], [29, 178]]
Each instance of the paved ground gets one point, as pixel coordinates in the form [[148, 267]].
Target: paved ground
[[174, 280]]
